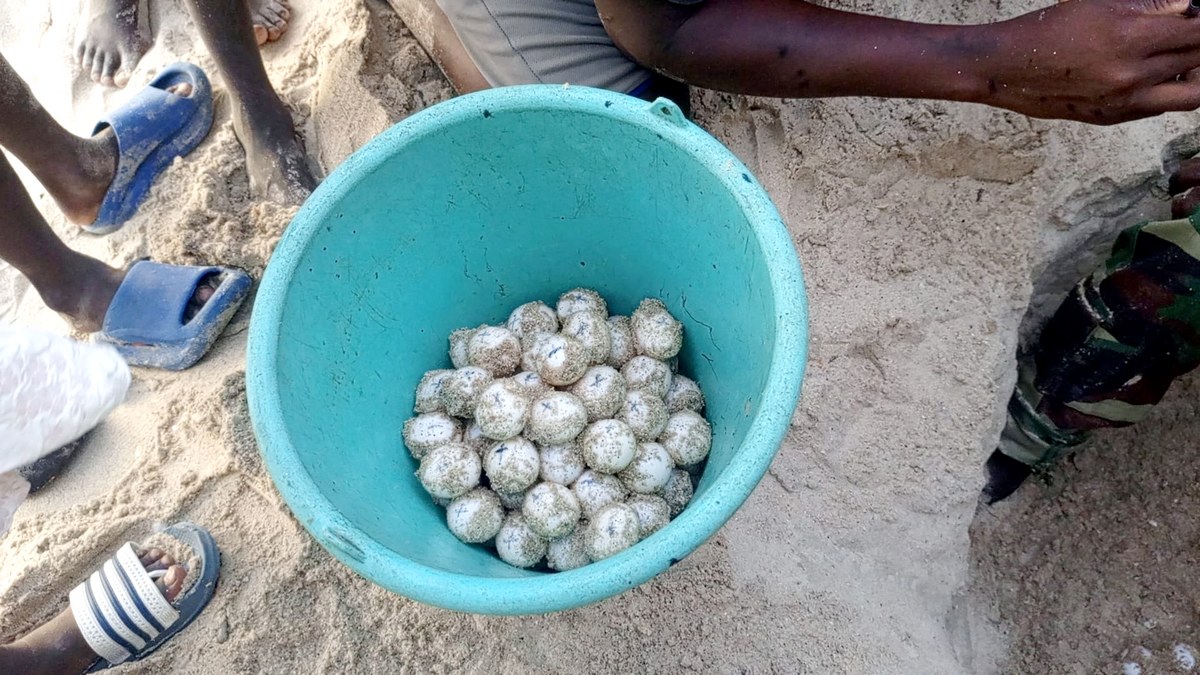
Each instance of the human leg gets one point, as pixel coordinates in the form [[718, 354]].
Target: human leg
[[275, 159], [1112, 349]]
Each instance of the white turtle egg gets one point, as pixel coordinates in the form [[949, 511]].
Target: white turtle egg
[[429, 431], [652, 512], [532, 318], [428, 397], [458, 347], [569, 552], [649, 471], [645, 413], [608, 445], [647, 374], [621, 338], [517, 544], [551, 510], [496, 350], [602, 390], [614, 529], [580, 300], [684, 394], [655, 332], [461, 390], [560, 360], [502, 410], [688, 438], [512, 465], [562, 463], [556, 418], [592, 331], [678, 491], [476, 516], [596, 490], [449, 471]]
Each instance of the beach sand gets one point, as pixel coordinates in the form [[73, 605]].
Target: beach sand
[[924, 229]]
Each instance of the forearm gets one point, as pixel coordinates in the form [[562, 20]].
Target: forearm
[[795, 49]]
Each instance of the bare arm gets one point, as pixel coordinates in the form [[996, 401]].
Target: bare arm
[[1099, 61]]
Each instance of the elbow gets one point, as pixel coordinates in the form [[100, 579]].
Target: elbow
[[646, 32]]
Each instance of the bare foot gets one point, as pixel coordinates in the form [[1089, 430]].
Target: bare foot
[[270, 19], [57, 646], [275, 158], [112, 43]]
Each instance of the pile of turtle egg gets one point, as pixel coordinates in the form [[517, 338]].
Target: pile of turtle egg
[[564, 436]]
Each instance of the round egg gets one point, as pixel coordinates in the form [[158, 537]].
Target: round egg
[[502, 410], [580, 300], [684, 394], [602, 390], [512, 465], [649, 471], [560, 360], [530, 347], [596, 490], [449, 471], [496, 350], [556, 418], [655, 332], [562, 463], [551, 510], [458, 347], [429, 431], [614, 529], [517, 544], [677, 492], [688, 438], [461, 390], [532, 318], [621, 340], [569, 552], [652, 512], [592, 331], [428, 397], [608, 445], [647, 374], [476, 516], [645, 413], [530, 384]]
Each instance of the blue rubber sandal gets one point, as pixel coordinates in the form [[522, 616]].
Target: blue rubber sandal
[[145, 320], [152, 129], [122, 614]]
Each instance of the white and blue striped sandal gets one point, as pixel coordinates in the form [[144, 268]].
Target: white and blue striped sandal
[[122, 614]]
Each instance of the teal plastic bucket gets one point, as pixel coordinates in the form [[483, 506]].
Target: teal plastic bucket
[[453, 218]]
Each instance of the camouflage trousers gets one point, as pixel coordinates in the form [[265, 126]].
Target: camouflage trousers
[[1113, 347]]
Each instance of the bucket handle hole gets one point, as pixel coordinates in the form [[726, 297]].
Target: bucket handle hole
[[666, 109]]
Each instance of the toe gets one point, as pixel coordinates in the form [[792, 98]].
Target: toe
[[121, 78], [148, 556], [183, 89], [260, 34], [111, 63], [86, 58], [172, 582], [81, 51], [1184, 205], [97, 65]]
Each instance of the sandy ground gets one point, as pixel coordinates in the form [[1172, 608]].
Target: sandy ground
[[924, 229]]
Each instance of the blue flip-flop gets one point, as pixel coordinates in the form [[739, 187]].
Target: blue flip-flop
[[122, 614], [152, 129], [146, 319]]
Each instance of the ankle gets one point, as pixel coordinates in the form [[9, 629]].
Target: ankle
[[81, 289]]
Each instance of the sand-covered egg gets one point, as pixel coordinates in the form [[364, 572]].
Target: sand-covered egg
[[449, 471], [551, 510], [645, 413], [614, 529], [502, 410], [684, 394], [688, 438], [512, 465], [602, 390], [569, 552], [458, 347], [622, 347], [556, 418], [652, 375], [596, 490], [428, 397], [649, 471], [562, 463], [560, 360], [517, 544], [461, 390], [592, 331], [476, 516], [655, 332], [495, 349], [424, 433], [532, 318], [652, 512], [530, 384], [580, 300], [677, 492], [608, 445]]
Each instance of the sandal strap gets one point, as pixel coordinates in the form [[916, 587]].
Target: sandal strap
[[118, 609]]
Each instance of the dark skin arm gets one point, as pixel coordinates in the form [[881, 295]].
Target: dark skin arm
[[1097, 61]]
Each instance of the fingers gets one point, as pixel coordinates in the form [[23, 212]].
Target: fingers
[[1165, 7], [1172, 96], [1185, 204]]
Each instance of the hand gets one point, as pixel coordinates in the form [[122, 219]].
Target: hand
[[1185, 197], [1097, 61]]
